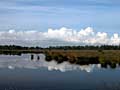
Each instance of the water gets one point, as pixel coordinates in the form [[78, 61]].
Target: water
[[22, 73]]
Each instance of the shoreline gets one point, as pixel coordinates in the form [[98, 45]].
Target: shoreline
[[81, 57]]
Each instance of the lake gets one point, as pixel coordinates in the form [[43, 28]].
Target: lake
[[24, 73]]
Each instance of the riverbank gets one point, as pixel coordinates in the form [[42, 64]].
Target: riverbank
[[82, 57], [104, 57]]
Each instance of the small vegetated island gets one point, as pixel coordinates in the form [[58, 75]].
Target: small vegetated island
[[82, 55]]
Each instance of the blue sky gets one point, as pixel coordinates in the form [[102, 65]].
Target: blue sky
[[59, 22], [102, 15]]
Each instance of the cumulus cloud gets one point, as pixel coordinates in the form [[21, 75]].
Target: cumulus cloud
[[62, 36]]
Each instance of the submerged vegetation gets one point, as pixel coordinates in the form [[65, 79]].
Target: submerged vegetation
[[105, 55]]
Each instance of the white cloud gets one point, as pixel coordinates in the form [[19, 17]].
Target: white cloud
[[62, 36]]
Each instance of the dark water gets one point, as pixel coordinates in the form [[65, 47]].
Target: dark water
[[22, 73]]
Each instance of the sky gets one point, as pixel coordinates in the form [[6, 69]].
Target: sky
[[44, 16]]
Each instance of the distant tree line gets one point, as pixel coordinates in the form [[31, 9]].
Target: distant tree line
[[87, 47], [16, 47]]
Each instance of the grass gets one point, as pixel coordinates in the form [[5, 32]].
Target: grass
[[110, 57], [104, 57]]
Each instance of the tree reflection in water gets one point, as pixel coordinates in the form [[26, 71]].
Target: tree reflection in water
[[36, 61]]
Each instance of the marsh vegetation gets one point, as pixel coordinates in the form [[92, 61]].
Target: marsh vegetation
[[105, 55], [83, 57]]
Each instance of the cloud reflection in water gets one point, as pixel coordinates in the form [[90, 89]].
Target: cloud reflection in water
[[24, 61]]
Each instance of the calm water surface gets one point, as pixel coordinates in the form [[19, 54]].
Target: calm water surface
[[22, 73]]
